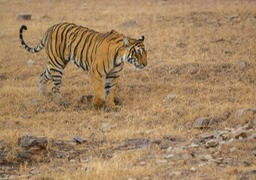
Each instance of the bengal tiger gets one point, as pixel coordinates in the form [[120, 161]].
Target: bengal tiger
[[102, 55]]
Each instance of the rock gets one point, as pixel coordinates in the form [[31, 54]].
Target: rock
[[185, 156], [137, 143], [240, 133], [30, 141], [24, 17], [175, 173], [169, 156], [252, 136], [175, 150], [225, 148], [193, 169], [203, 122], [193, 145], [161, 161], [142, 163], [242, 63], [79, 139], [225, 136], [146, 178], [170, 98], [211, 143], [208, 136], [206, 157]]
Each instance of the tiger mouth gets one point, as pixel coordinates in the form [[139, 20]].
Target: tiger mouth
[[135, 63]]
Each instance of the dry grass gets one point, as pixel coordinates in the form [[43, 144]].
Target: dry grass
[[202, 51]]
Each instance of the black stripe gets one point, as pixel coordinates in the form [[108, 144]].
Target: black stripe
[[67, 38], [98, 70], [88, 47], [56, 84], [78, 43], [56, 70], [94, 47], [108, 86], [104, 68], [114, 72], [82, 51], [62, 39], [81, 65], [46, 77], [112, 76], [115, 63], [56, 39], [71, 43]]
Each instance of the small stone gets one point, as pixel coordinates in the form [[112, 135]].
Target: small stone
[[170, 98], [161, 161], [185, 156], [211, 143], [169, 156], [208, 136], [175, 173], [79, 139], [146, 178], [240, 134], [225, 148], [203, 122], [206, 157], [193, 145], [193, 169], [72, 160], [225, 136], [24, 17], [231, 140], [175, 150], [142, 163], [252, 136]]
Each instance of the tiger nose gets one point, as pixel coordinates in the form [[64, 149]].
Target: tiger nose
[[145, 63]]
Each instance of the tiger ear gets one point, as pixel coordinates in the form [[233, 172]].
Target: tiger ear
[[126, 42], [141, 38]]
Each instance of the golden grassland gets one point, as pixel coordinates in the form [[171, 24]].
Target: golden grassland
[[204, 52]]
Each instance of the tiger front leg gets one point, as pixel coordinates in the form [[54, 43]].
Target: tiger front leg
[[99, 97], [110, 89]]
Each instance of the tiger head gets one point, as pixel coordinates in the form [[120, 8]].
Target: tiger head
[[136, 53]]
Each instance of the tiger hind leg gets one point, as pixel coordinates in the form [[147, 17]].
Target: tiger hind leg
[[44, 78], [56, 74]]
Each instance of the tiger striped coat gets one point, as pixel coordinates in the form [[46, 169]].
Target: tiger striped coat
[[101, 54]]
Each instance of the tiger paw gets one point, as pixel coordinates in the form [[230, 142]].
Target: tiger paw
[[98, 103], [110, 107], [57, 99]]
